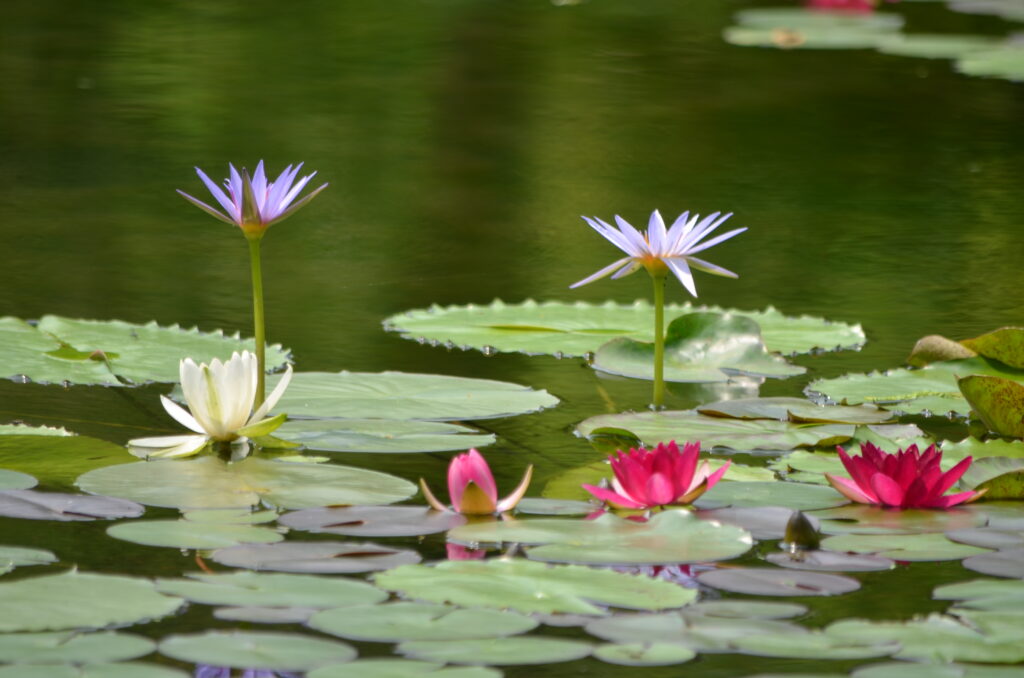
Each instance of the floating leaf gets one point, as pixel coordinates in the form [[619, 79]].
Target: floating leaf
[[554, 507], [276, 590], [912, 547], [57, 460], [984, 594], [988, 537], [699, 347], [868, 519], [72, 647], [562, 329], [20, 556], [80, 600], [829, 561], [789, 28], [26, 430], [798, 18], [696, 632], [936, 46], [266, 615], [796, 410], [935, 638], [763, 522], [398, 621], [777, 582], [972, 447], [373, 521], [528, 586], [1002, 477], [796, 496], [915, 669], [812, 646], [744, 609], [1005, 344], [401, 668], [209, 482], [644, 654], [104, 670], [13, 480], [381, 435], [669, 537], [1005, 563], [322, 557], [500, 651], [935, 348], [398, 395], [243, 649], [185, 534], [999, 403], [657, 427], [65, 507]]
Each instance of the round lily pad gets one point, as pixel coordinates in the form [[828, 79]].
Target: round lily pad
[[795, 496], [1000, 477], [830, 561], [908, 670], [499, 651], [812, 646], [778, 582], [401, 668], [696, 632], [554, 507], [381, 435], [935, 46], [36, 505], [984, 593], [58, 460], [241, 649], [102, 670], [373, 521], [209, 482], [322, 557], [13, 480], [798, 410], [397, 395], [867, 519], [763, 522], [912, 547], [19, 556], [1008, 563], [398, 621], [988, 537], [185, 534], [268, 589], [72, 647], [266, 615], [935, 638], [1006, 62], [80, 600], [527, 586], [644, 654], [745, 609]]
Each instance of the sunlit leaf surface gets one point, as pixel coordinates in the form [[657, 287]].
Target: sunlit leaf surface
[[381, 435], [397, 621], [499, 651], [246, 649], [72, 647], [271, 590], [320, 557], [401, 668]]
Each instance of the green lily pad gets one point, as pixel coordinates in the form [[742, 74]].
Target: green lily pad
[[1002, 477], [812, 646], [20, 556], [830, 561], [103, 670], [999, 403], [679, 425], [808, 462], [528, 586], [398, 395], [58, 460], [500, 651], [761, 581], [112, 353], [972, 447], [209, 482], [26, 430], [988, 537], [744, 609], [912, 547], [272, 590], [554, 507], [322, 557], [266, 615], [695, 632], [796, 496], [812, 37], [934, 638], [985, 594], [373, 521], [35, 505], [936, 46], [1007, 343], [799, 18], [243, 649], [398, 621], [381, 435], [796, 410], [185, 534], [888, 437], [699, 347], [763, 522], [401, 668], [644, 654], [669, 537], [72, 647], [562, 329], [80, 600], [935, 347], [13, 480], [930, 390], [916, 669], [868, 519], [1005, 563], [1011, 11]]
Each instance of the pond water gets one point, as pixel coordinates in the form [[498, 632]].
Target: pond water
[[462, 141]]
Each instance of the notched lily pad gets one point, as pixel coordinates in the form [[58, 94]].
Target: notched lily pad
[[321, 557], [58, 460], [13, 480], [373, 521], [72, 647], [830, 561], [999, 403], [245, 649], [813, 646], [185, 534], [777, 582], [499, 651], [65, 507], [398, 621], [908, 547], [867, 519], [401, 668], [796, 410], [1001, 477], [795, 496], [20, 556], [1005, 563], [763, 522], [683, 629], [272, 590], [381, 435], [644, 654]]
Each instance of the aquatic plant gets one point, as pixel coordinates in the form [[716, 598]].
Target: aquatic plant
[[660, 250], [221, 399], [472, 489], [907, 479], [254, 204], [663, 476]]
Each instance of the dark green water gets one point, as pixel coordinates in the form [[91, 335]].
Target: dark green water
[[462, 140]]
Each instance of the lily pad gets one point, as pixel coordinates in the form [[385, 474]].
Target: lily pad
[[830, 561], [26, 430], [999, 403], [562, 329], [1002, 477], [1005, 563], [936, 46], [669, 537], [500, 651], [75, 600], [915, 669], [65, 507], [373, 521], [398, 395], [528, 586], [1005, 344], [209, 482], [988, 537], [13, 480], [867, 519], [972, 447], [763, 522], [812, 646], [657, 427], [696, 632], [272, 590], [20, 556], [381, 435], [777, 582], [266, 615], [243, 649], [644, 654], [58, 460], [401, 668], [796, 410], [112, 353], [103, 670], [554, 507], [699, 347], [72, 647], [908, 547], [796, 496], [398, 621], [935, 638], [321, 557], [744, 609], [984, 593], [185, 534]]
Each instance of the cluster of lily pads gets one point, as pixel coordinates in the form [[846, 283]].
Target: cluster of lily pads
[[662, 554]]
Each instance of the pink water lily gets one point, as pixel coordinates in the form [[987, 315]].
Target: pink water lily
[[660, 477], [907, 479], [472, 489]]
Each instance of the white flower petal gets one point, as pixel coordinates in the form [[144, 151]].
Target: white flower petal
[[635, 237], [163, 441], [656, 234], [602, 273], [682, 271], [274, 396], [706, 226], [612, 235], [708, 267], [184, 449], [633, 267], [181, 416], [714, 241]]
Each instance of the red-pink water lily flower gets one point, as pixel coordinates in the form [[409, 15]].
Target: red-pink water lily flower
[[907, 479], [472, 488], [659, 477]]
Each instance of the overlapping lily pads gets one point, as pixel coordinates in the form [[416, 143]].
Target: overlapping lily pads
[[209, 482], [321, 557], [112, 353], [58, 460], [907, 547], [398, 621], [272, 590], [382, 435], [35, 505], [401, 668], [562, 329], [72, 647], [373, 521], [644, 654], [696, 632], [101, 670], [246, 649], [1000, 477], [499, 651], [935, 638]]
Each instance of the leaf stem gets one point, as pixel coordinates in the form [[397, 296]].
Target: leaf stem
[[257, 317], [658, 398]]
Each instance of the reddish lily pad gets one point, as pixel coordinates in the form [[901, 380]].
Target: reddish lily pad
[[778, 582], [373, 521], [321, 557]]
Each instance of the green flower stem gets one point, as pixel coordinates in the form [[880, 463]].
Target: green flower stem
[[257, 317], [658, 399]]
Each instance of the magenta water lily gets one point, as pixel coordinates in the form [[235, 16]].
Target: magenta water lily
[[253, 204], [660, 250], [472, 489], [907, 479], [664, 476]]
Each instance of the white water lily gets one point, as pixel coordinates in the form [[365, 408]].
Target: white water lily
[[220, 398]]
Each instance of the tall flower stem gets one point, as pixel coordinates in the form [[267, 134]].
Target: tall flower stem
[[658, 399], [259, 331]]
